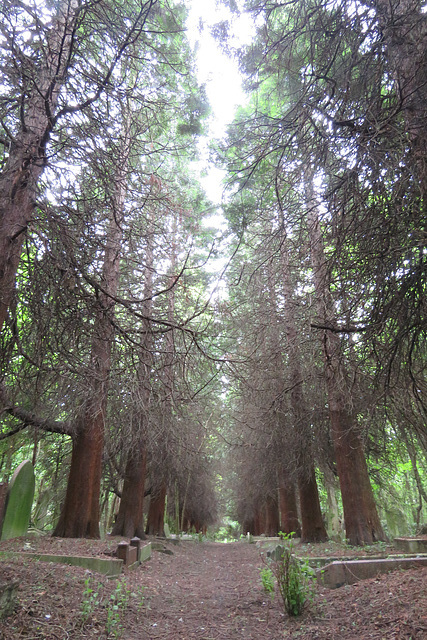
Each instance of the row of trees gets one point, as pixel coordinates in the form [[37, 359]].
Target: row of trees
[[328, 175], [120, 377], [102, 295]]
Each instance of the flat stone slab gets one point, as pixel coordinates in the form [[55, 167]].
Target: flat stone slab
[[261, 540], [338, 574], [145, 552], [110, 567], [172, 539], [321, 561], [412, 545], [264, 539], [161, 548]]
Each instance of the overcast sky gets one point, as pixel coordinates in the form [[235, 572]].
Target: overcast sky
[[218, 72]]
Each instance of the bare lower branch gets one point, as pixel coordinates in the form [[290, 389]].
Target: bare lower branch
[[29, 419]]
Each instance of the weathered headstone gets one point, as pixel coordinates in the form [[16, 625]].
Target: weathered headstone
[[8, 599], [134, 553], [397, 524], [411, 545], [41, 509], [3, 495], [276, 553], [136, 542], [19, 501], [127, 553]]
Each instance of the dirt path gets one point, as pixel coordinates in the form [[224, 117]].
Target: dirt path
[[213, 592], [208, 591]]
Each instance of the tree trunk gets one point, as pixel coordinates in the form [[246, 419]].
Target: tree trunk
[[313, 528], [360, 514], [333, 518], [259, 520], [289, 522], [248, 526], [155, 519], [312, 525], [110, 512], [404, 29], [80, 513], [361, 519], [130, 519], [272, 524], [27, 157], [156, 513]]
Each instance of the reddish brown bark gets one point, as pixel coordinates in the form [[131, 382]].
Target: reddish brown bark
[[404, 29], [191, 523], [271, 517], [156, 513], [84, 482], [130, 518], [361, 519], [248, 526], [80, 512], [312, 526], [362, 523], [258, 521], [289, 522], [27, 157]]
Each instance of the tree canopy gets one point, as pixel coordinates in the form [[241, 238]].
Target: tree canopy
[[145, 382]]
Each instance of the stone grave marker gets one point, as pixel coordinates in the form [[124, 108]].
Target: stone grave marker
[[19, 501], [3, 495], [8, 597]]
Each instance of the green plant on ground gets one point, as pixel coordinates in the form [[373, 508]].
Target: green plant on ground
[[139, 598], [295, 579], [295, 583], [119, 601], [90, 600], [267, 579]]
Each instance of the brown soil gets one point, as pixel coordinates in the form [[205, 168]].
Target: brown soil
[[208, 591]]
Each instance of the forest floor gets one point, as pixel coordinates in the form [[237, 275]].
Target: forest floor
[[203, 590]]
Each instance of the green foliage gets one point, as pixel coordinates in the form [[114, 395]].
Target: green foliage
[[119, 601], [115, 606], [295, 582], [294, 577], [140, 597], [229, 531], [267, 579], [90, 601]]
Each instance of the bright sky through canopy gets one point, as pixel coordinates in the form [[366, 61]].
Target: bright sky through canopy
[[218, 72]]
